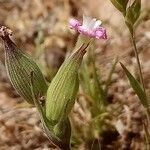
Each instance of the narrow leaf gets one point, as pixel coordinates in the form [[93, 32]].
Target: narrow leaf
[[108, 82], [99, 91], [132, 14], [120, 5], [136, 87]]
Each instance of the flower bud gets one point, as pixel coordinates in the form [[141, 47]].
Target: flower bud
[[19, 66], [63, 89]]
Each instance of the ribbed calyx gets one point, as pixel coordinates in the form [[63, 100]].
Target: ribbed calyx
[[19, 66], [63, 89]]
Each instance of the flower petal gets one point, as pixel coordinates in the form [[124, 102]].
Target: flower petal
[[97, 24], [89, 27], [73, 23], [100, 33]]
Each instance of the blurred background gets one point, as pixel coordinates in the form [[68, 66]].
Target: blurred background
[[40, 27]]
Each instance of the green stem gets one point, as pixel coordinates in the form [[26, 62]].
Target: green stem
[[138, 63], [140, 71]]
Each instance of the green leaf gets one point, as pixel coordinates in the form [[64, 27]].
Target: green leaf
[[108, 81], [136, 87], [98, 91], [120, 5], [84, 76], [132, 14]]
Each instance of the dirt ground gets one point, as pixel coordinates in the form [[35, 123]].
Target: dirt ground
[[42, 25]]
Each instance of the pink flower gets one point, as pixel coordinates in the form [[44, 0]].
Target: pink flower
[[89, 27]]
